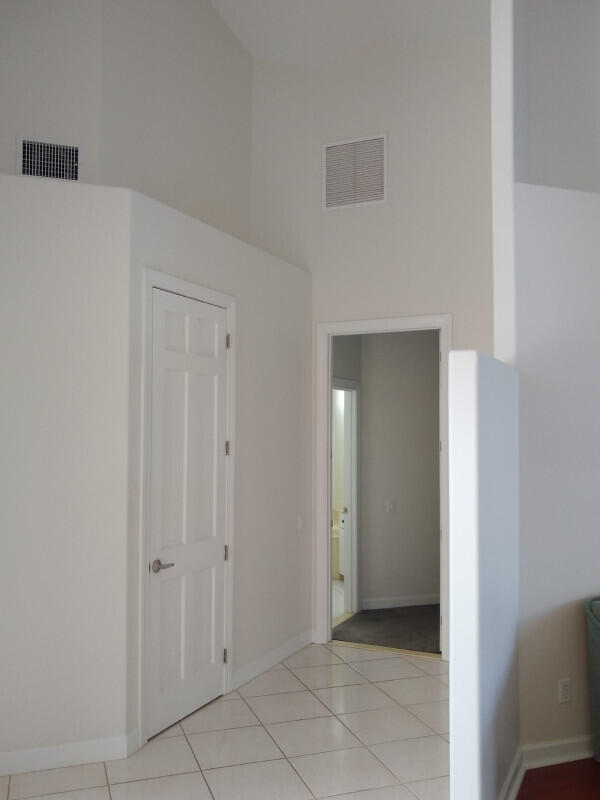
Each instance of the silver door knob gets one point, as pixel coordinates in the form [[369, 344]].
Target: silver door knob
[[157, 565]]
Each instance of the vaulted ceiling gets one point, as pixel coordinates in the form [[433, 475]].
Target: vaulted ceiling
[[312, 33]]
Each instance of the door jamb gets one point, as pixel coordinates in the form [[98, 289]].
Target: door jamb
[[154, 279], [353, 386], [322, 486]]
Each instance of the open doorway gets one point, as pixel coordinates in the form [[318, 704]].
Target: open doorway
[[387, 483], [393, 481]]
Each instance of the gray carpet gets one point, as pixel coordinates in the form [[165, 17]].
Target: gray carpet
[[411, 628]]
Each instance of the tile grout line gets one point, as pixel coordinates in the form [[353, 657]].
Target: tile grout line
[[410, 791], [406, 709], [62, 791], [134, 780], [371, 683], [363, 744], [241, 763], [401, 780], [379, 648], [308, 789], [423, 780], [107, 783], [366, 681], [244, 763], [378, 686], [198, 763], [389, 741], [257, 725], [270, 694], [427, 725]]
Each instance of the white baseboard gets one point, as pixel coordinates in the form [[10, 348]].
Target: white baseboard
[[559, 751], [543, 754], [530, 756], [70, 754], [113, 747], [245, 674], [514, 778], [373, 603], [134, 741]]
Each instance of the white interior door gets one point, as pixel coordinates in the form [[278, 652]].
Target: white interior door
[[184, 661]]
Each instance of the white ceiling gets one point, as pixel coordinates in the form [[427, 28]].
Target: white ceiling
[[311, 33]]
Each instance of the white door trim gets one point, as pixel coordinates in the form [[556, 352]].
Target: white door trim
[[321, 527], [354, 387], [153, 279]]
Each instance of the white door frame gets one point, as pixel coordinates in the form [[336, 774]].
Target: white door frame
[[322, 487], [354, 387], [154, 279]]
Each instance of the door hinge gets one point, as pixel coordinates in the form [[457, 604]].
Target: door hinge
[[440, 447], [440, 356], [225, 656], [228, 342], [226, 552], [227, 448]]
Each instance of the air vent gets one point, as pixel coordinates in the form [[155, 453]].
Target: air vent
[[355, 172], [48, 160]]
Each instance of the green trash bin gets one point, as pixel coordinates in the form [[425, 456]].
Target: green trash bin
[[593, 624]]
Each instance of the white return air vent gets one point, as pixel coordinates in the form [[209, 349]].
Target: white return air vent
[[48, 160], [355, 172]]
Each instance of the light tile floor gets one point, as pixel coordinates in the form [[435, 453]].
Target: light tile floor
[[348, 722]]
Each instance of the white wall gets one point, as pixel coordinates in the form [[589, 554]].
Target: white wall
[[399, 463], [503, 178], [346, 356], [72, 258], [64, 253], [484, 563], [158, 96], [177, 114], [51, 77], [281, 128], [558, 351], [557, 93], [271, 557], [428, 249]]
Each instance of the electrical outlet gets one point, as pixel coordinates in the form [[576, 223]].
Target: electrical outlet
[[565, 690]]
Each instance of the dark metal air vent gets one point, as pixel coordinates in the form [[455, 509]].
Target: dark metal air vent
[[48, 160]]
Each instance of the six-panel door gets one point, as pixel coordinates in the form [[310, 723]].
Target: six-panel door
[[185, 625]]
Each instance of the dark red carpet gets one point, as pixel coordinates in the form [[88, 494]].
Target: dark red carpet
[[579, 780]]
